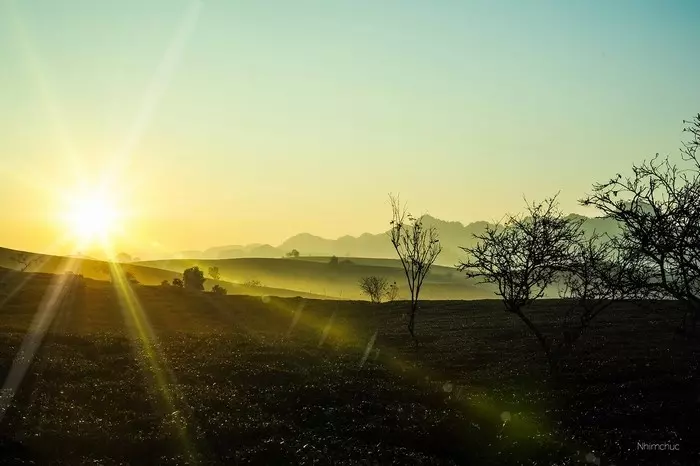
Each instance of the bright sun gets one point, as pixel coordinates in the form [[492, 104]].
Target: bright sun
[[91, 219]]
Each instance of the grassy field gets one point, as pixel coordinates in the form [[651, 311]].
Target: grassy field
[[153, 375]]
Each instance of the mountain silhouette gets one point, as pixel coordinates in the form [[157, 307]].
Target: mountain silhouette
[[453, 235]]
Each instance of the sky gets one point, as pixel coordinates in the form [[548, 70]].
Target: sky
[[216, 122]]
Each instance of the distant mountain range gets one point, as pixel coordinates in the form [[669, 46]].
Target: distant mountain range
[[453, 235]]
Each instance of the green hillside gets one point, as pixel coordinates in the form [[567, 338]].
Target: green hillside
[[310, 277], [317, 275], [147, 275]]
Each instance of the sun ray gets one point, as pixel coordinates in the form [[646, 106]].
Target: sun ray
[[39, 76], [61, 286], [153, 363], [156, 89]]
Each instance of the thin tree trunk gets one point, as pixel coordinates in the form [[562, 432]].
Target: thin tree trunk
[[551, 360], [681, 326], [412, 322]]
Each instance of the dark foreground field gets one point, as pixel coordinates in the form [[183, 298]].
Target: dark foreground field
[[163, 376]]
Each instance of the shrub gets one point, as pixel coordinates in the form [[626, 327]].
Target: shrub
[[374, 287]]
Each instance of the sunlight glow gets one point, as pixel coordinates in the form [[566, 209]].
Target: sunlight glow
[[91, 219]]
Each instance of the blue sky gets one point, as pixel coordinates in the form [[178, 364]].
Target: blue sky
[[222, 122]]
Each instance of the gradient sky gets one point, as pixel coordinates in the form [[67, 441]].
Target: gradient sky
[[232, 122]]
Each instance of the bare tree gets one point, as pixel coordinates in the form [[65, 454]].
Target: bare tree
[[417, 247], [374, 287], [598, 274], [524, 256], [658, 208], [214, 272], [392, 292]]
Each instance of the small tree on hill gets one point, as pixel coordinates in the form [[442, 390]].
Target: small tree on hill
[[293, 253], [193, 278], [214, 272], [165, 283], [252, 283], [374, 287], [417, 247], [333, 261], [216, 289], [178, 283], [392, 292]]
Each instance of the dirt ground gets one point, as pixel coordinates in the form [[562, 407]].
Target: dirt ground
[[105, 374]]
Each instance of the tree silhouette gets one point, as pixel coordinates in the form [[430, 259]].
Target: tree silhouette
[[374, 287], [392, 292], [293, 253], [216, 289], [417, 247], [178, 283], [193, 278], [597, 275], [524, 256], [658, 208], [214, 272]]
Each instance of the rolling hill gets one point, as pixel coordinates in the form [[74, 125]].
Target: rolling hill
[[147, 275], [316, 275], [309, 277], [311, 274]]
